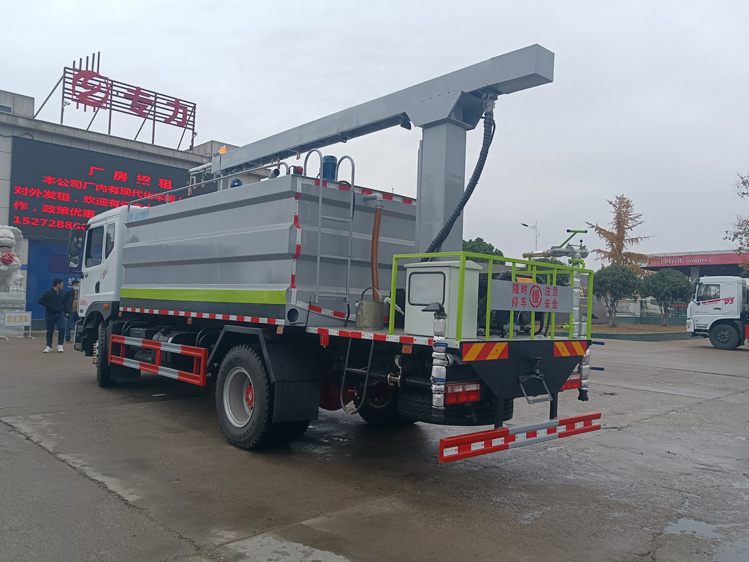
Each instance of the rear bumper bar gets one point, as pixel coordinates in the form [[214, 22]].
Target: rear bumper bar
[[495, 440]]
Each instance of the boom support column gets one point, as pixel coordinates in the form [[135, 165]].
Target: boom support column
[[441, 179]]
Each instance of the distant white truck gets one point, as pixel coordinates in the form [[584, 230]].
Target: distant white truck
[[720, 310]]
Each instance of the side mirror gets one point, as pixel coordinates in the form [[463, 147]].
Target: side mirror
[[75, 245]]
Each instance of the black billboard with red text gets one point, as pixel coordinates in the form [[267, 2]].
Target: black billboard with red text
[[55, 188]]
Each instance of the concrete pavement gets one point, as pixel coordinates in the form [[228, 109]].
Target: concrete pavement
[[142, 472]]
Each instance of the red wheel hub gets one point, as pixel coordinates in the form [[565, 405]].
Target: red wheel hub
[[249, 396]]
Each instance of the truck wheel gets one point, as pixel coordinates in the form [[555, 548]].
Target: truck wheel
[[381, 407], [724, 336], [103, 370], [243, 399], [509, 410]]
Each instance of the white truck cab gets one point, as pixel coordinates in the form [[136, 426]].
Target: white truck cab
[[720, 310], [100, 247]]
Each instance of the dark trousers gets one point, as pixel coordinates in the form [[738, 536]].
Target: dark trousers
[[55, 321], [70, 325]]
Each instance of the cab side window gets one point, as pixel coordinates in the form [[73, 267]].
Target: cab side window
[[94, 246], [109, 244], [707, 292]]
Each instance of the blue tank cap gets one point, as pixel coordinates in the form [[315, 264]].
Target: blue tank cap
[[329, 165]]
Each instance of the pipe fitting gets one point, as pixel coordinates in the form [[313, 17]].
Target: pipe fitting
[[376, 200], [438, 396]]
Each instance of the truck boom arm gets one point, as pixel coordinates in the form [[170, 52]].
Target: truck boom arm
[[455, 96]]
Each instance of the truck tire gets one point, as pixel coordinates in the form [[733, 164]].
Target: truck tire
[[724, 336], [381, 407], [243, 400], [509, 410], [103, 370]]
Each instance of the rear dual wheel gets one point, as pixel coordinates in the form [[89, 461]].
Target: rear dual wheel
[[244, 403], [380, 407]]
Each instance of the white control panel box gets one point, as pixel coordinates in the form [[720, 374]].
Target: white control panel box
[[439, 281]]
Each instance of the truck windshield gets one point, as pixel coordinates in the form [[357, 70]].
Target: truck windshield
[[707, 291]]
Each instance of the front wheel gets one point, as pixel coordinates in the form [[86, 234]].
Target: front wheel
[[243, 399], [103, 369], [724, 336]]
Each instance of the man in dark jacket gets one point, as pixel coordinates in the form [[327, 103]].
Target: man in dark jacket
[[71, 309], [53, 300]]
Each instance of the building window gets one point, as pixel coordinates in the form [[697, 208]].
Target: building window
[[6, 109]]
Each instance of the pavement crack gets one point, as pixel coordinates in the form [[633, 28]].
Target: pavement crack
[[666, 392], [668, 413], [627, 366]]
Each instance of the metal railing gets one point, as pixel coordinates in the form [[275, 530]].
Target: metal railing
[[518, 267]]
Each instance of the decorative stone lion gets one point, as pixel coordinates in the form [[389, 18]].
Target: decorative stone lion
[[11, 278]]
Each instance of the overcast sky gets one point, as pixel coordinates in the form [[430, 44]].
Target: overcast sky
[[649, 98]]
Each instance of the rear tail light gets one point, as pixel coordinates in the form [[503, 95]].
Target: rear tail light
[[462, 393]]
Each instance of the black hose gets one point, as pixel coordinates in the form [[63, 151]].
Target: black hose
[[489, 127]]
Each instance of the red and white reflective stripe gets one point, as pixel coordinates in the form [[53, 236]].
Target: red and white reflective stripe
[[208, 315], [366, 191], [327, 312], [322, 311], [298, 249], [359, 335], [199, 354], [484, 442]]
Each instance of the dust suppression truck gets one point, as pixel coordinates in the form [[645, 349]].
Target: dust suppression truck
[[306, 290], [719, 310]]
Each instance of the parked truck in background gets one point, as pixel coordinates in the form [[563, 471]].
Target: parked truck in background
[[719, 310], [261, 285]]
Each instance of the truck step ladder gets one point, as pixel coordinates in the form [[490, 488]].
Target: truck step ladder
[[359, 371], [349, 220]]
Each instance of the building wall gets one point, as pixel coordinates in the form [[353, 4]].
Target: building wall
[[44, 259], [18, 125]]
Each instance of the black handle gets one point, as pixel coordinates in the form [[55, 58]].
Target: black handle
[[96, 287]]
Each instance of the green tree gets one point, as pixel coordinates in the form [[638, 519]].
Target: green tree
[[480, 246], [612, 284], [667, 287], [619, 239], [563, 279], [739, 233]]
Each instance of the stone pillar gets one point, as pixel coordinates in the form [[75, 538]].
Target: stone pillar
[[12, 285]]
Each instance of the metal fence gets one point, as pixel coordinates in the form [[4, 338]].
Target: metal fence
[[537, 271]]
